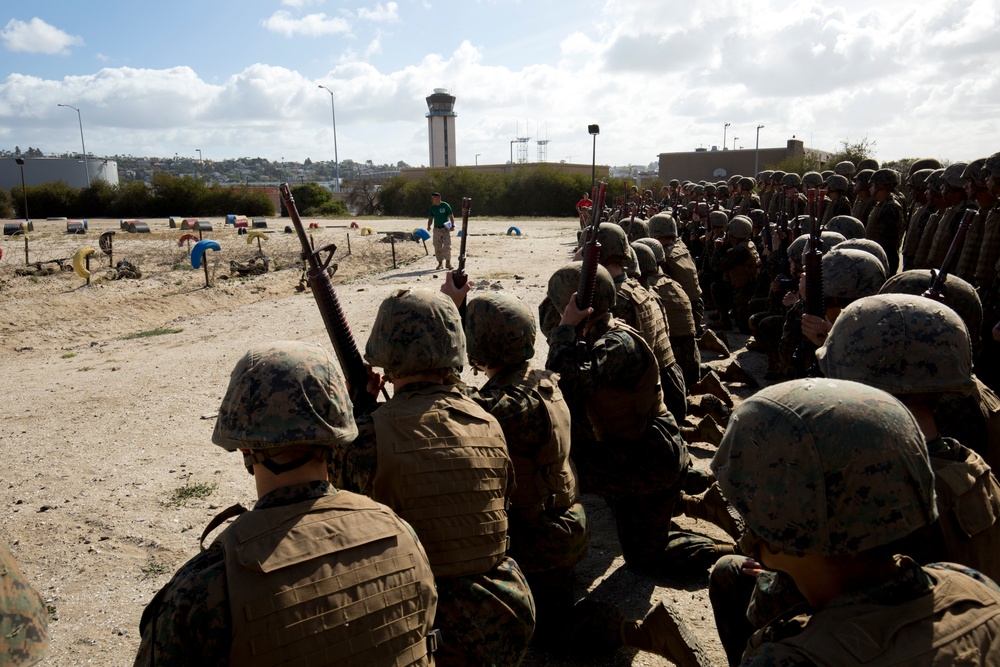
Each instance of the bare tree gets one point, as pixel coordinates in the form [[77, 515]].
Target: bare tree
[[363, 196]]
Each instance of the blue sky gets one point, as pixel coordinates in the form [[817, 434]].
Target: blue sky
[[240, 78]]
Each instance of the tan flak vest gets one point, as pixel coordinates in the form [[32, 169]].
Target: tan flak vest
[[745, 273], [338, 580], [680, 266], [676, 305], [957, 623], [547, 481], [968, 502], [443, 467], [625, 412], [648, 318]]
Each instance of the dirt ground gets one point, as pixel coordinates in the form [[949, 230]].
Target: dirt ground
[[109, 472]]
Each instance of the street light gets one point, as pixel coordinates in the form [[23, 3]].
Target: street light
[[24, 193], [756, 152], [734, 142], [477, 158], [199, 155], [79, 117], [336, 158], [724, 128], [594, 130]]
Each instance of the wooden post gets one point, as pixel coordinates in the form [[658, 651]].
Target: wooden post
[[25, 249], [87, 262], [348, 243], [392, 242], [204, 264]]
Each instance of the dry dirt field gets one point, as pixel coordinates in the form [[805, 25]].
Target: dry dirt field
[[109, 474]]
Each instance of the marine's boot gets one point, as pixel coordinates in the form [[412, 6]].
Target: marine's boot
[[711, 384], [702, 405], [662, 632], [712, 342], [734, 372], [713, 507], [448, 264]]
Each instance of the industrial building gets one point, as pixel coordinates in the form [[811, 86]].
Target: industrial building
[[714, 164], [75, 172]]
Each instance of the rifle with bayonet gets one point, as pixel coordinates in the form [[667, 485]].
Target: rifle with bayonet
[[588, 271], [459, 277], [936, 290], [329, 307], [812, 263]]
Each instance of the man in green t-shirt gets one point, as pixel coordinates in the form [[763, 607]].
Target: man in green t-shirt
[[443, 219]]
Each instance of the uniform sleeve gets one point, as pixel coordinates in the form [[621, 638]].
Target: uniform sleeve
[[189, 615], [967, 571], [353, 465]]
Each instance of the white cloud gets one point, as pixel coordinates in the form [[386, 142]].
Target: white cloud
[[311, 25], [375, 46], [388, 13], [37, 36], [298, 4]]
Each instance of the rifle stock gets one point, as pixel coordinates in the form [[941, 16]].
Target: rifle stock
[[935, 291], [591, 258], [329, 307]]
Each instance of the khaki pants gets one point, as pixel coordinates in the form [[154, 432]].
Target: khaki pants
[[442, 244]]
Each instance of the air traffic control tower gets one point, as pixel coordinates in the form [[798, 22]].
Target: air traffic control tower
[[441, 128]]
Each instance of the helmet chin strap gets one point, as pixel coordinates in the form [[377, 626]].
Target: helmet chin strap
[[252, 457]]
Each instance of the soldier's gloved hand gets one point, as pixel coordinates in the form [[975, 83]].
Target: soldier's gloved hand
[[815, 328], [375, 381], [573, 315]]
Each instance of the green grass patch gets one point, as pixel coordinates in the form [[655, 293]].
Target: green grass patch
[[152, 569], [161, 331], [192, 491], [68, 355]]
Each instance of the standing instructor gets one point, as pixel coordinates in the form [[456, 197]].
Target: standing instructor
[[443, 219]]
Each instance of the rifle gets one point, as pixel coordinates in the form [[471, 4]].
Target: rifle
[[329, 307], [459, 277], [812, 262], [935, 291], [631, 221], [588, 271]]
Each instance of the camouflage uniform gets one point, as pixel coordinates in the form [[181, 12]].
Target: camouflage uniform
[[737, 262], [242, 600], [486, 612], [626, 446], [884, 224], [24, 633], [548, 527], [678, 264], [862, 474]]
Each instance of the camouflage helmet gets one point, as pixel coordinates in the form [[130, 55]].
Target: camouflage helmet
[[699, 189], [868, 163], [747, 183], [852, 457], [733, 180], [924, 163], [614, 244], [722, 190], [848, 225], [899, 343], [758, 217], [797, 247], [918, 179], [24, 633], [740, 227], [711, 189], [662, 225], [645, 259], [499, 330], [765, 176], [838, 183], [935, 180], [812, 179], [850, 274], [992, 165], [958, 295], [776, 177], [844, 168], [791, 180], [885, 177], [863, 177], [869, 246], [952, 176], [655, 246], [416, 330], [718, 218], [805, 223], [566, 281], [826, 174], [285, 394], [674, 183], [631, 264], [974, 172]]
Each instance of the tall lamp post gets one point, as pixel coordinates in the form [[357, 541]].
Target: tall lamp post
[[24, 192], [199, 155], [724, 128], [79, 117], [594, 130], [477, 157], [333, 113], [756, 152], [734, 142]]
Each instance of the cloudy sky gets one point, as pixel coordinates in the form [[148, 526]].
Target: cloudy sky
[[240, 78]]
